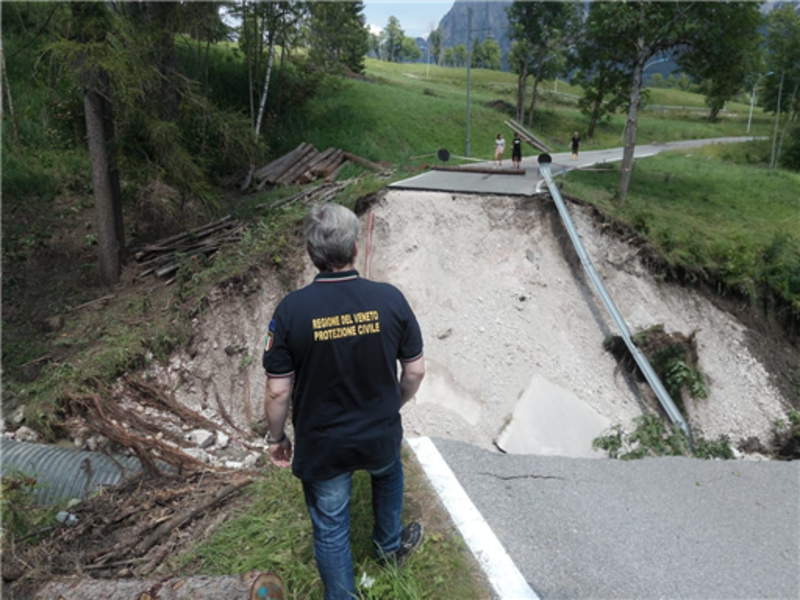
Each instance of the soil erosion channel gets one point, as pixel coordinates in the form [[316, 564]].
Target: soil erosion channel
[[513, 332]]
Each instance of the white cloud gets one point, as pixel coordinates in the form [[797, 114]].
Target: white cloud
[[374, 29]]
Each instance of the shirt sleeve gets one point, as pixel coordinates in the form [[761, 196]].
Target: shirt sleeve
[[411, 342], [277, 360]]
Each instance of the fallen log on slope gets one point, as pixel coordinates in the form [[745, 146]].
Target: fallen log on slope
[[197, 587], [364, 162]]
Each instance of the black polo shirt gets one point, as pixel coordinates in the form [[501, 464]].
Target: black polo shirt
[[341, 338]]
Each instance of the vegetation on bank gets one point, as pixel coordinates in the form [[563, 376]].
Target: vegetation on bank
[[714, 214], [273, 533]]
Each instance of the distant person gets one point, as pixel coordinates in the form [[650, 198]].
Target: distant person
[[516, 151], [576, 143], [499, 148], [331, 355]]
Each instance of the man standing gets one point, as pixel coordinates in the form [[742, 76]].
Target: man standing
[[575, 142], [333, 347]]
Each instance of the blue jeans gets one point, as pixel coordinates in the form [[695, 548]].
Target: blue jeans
[[328, 505]]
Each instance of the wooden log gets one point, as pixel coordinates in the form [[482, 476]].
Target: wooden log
[[322, 168], [195, 587], [160, 245], [321, 157], [274, 175], [286, 167], [333, 165], [184, 517], [305, 178], [331, 177], [308, 176], [298, 168], [264, 171], [364, 162], [479, 170]]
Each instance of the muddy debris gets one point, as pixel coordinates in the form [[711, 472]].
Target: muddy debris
[[126, 531]]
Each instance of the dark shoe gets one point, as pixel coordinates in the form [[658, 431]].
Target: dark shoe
[[410, 540]]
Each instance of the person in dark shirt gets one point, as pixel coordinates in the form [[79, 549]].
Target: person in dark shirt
[[516, 151], [333, 349], [575, 142]]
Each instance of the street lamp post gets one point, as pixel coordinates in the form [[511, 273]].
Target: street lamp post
[[753, 98], [469, 61]]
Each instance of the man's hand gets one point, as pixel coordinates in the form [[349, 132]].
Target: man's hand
[[281, 454]]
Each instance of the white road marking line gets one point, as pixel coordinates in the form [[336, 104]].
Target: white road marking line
[[504, 576]]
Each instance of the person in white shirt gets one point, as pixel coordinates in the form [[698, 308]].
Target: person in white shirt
[[499, 148]]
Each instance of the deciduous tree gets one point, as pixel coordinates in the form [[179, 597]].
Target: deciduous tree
[[781, 91], [635, 32], [435, 40], [460, 55], [411, 51], [542, 30], [393, 36]]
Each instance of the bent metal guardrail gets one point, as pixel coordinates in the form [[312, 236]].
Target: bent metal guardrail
[[650, 375]]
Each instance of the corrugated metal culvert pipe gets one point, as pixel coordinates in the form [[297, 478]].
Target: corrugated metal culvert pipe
[[63, 472]]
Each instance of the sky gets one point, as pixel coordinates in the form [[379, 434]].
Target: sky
[[417, 17]]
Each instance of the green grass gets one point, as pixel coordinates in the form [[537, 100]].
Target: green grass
[[274, 534], [738, 223]]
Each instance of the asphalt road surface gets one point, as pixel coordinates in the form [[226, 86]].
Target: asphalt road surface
[[654, 528], [481, 183]]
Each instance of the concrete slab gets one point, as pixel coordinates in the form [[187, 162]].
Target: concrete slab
[[471, 183]]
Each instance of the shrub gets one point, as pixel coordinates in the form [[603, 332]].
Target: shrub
[[20, 518], [652, 437]]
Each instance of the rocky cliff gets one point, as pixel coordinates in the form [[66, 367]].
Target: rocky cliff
[[489, 19]]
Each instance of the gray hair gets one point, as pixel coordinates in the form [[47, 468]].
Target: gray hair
[[331, 231]]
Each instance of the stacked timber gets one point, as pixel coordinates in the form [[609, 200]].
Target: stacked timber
[[305, 164], [163, 257]]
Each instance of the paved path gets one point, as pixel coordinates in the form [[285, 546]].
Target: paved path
[[654, 528], [480, 183]]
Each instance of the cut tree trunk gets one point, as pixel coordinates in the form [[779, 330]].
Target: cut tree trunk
[[198, 587], [363, 162], [109, 242]]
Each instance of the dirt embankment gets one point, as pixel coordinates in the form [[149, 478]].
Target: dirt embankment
[[513, 331], [509, 316]]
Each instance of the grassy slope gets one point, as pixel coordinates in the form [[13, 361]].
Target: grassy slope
[[738, 222], [400, 112], [274, 533]]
